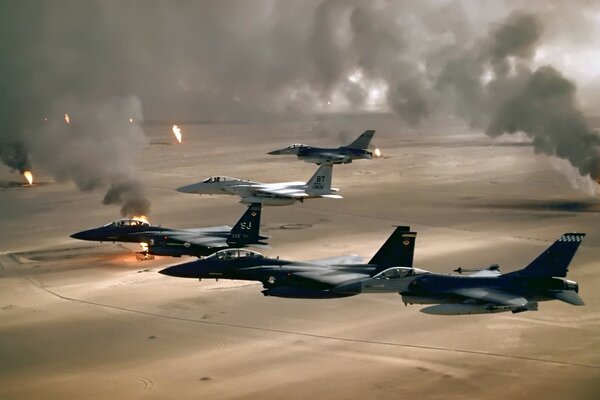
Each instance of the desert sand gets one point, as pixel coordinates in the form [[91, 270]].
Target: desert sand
[[87, 320]]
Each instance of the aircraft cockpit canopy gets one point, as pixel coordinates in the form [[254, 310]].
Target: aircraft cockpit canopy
[[398, 272], [232, 254], [296, 145], [214, 179], [128, 222]]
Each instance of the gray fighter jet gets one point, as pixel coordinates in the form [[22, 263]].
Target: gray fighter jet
[[484, 291], [338, 155], [161, 241], [269, 194], [316, 279]]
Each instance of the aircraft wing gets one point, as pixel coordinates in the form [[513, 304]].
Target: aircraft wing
[[198, 240], [331, 156], [327, 276], [491, 296], [340, 260], [204, 231], [283, 192], [195, 239]]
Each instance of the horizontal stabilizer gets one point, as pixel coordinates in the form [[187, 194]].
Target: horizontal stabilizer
[[260, 245], [569, 296]]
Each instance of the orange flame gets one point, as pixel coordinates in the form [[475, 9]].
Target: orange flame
[[29, 176], [377, 153], [177, 133], [141, 218], [67, 119]]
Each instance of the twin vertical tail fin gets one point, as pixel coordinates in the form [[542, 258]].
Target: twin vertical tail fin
[[246, 230], [320, 183], [554, 262], [397, 251], [363, 141]]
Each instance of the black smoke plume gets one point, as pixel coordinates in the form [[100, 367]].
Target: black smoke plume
[[130, 195], [15, 155]]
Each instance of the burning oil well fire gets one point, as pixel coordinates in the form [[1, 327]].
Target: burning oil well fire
[[29, 176], [177, 132]]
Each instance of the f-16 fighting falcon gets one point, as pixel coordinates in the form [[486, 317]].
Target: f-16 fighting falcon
[[338, 155], [199, 242], [484, 291], [316, 279], [269, 194]]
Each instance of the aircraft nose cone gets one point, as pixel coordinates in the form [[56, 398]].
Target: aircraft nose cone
[[83, 235], [275, 152], [187, 189], [166, 271], [180, 271]]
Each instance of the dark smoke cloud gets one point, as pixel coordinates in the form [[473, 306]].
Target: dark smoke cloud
[[64, 57], [545, 109], [102, 61], [130, 195], [15, 155], [540, 102]]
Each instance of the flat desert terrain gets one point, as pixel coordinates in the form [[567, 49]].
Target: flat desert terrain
[[87, 320]]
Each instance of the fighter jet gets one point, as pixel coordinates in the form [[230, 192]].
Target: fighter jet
[[161, 241], [484, 291], [338, 155], [269, 194], [316, 279]]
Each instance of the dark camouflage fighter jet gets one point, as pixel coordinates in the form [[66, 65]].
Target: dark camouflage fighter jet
[[161, 241], [484, 291], [316, 279], [338, 155]]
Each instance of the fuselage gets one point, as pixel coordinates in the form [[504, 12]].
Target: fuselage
[[320, 155], [159, 240], [422, 287], [253, 192], [341, 155], [117, 231], [281, 278], [437, 285]]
